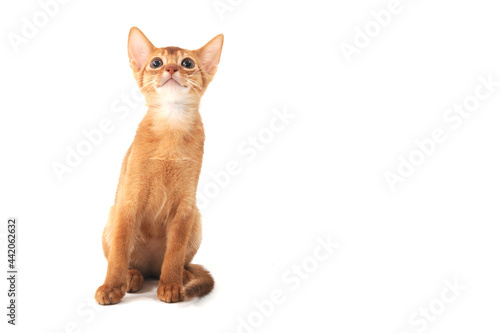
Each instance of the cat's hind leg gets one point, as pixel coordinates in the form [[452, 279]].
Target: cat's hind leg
[[134, 281]]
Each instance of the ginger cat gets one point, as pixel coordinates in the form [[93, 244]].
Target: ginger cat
[[154, 226]]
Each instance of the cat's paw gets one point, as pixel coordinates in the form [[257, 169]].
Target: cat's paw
[[170, 293], [134, 281], [106, 295]]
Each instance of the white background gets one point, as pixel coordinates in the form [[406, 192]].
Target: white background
[[322, 176]]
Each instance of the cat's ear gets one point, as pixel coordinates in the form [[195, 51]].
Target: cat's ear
[[210, 54], [139, 48]]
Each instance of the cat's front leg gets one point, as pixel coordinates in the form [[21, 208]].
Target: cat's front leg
[[170, 286], [115, 284]]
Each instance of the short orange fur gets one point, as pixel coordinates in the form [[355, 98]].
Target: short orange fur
[[154, 226]]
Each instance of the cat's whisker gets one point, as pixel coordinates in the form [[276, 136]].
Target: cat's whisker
[[193, 86], [149, 83], [190, 85], [147, 86], [194, 83], [193, 73]]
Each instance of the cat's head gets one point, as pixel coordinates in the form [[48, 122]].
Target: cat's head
[[172, 74]]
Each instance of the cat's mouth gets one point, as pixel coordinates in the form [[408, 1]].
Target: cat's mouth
[[170, 80]]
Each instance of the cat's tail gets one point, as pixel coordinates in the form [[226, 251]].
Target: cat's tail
[[199, 281]]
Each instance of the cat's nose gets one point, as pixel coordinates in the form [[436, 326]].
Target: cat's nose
[[171, 69]]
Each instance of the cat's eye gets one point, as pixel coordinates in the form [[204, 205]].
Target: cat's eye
[[156, 63], [187, 63]]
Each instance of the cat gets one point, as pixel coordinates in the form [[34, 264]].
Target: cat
[[154, 226]]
